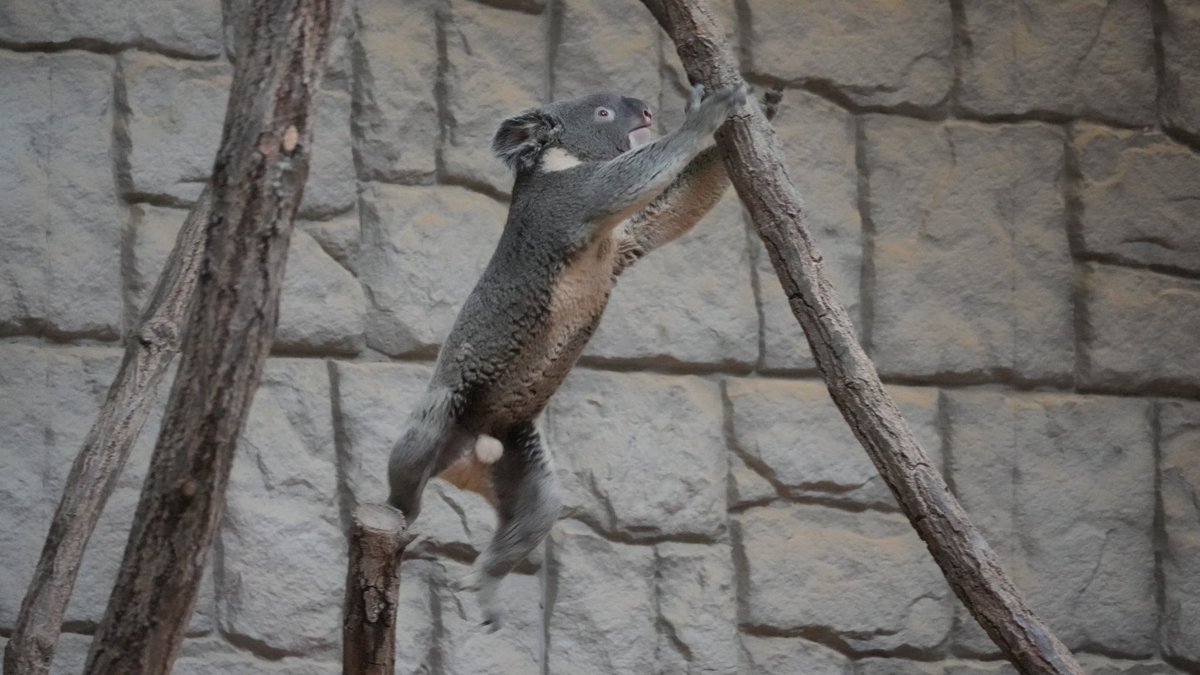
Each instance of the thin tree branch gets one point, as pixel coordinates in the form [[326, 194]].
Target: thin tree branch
[[149, 352], [377, 539], [755, 163], [257, 183]]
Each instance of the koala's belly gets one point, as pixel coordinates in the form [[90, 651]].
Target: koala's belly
[[576, 303]]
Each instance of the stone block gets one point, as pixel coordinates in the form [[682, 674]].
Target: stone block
[[792, 432], [60, 219], [818, 140], [423, 250], [174, 26], [600, 622], [1079, 58], [877, 52], [395, 65], [1140, 330], [864, 576], [690, 302], [1138, 193], [174, 121], [1181, 66], [174, 124], [605, 46], [1062, 487], [746, 485], [697, 608], [467, 647], [495, 68], [321, 306], [1179, 477], [788, 656], [619, 441], [972, 272]]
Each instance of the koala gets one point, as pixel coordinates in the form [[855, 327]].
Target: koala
[[592, 193]]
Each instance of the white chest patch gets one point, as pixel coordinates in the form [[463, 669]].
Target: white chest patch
[[557, 159]]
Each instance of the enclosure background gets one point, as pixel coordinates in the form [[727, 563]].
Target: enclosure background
[[1006, 195]]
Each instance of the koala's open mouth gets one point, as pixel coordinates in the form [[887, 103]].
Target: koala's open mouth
[[640, 136]]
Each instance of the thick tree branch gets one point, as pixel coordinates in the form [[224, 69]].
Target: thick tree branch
[[149, 352], [755, 163], [257, 183], [377, 540]]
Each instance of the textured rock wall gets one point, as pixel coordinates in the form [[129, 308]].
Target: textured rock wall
[[1007, 195]]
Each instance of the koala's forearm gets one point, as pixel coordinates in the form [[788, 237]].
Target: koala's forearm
[[686, 200]]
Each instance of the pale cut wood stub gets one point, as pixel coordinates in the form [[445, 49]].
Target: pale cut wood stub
[[755, 163], [131, 396], [257, 183], [378, 537]]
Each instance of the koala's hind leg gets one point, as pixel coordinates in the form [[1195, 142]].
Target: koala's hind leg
[[527, 503], [427, 446]]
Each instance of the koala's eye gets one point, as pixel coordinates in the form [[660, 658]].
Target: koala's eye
[[604, 114]]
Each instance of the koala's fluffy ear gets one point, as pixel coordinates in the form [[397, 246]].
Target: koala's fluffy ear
[[520, 139]]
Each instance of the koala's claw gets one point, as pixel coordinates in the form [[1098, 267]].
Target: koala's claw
[[694, 99]]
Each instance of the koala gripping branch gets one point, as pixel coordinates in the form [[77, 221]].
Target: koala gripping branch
[[754, 161]]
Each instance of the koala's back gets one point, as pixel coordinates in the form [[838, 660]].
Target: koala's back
[[528, 318]]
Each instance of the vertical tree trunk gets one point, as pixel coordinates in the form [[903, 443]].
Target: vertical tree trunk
[[257, 183], [377, 539], [30, 649], [755, 163]]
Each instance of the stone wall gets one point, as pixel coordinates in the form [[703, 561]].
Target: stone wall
[[1007, 196]]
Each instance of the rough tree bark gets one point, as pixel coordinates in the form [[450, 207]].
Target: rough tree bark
[[257, 183], [149, 352], [754, 160], [377, 539]]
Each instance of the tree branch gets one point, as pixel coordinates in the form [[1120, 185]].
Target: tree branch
[[131, 396], [257, 183], [755, 163], [377, 539]]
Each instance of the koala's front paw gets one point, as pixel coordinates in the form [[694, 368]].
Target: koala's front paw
[[770, 101], [714, 110]]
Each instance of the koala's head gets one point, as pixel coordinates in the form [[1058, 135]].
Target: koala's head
[[588, 129]]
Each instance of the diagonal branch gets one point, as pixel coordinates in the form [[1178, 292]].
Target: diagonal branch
[[149, 352], [258, 179], [755, 164]]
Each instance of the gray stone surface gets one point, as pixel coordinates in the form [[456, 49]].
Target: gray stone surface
[[1062, 487], [1179, 475], [876, 52], [605, 46], [466, 647], [621, 444], [493, 71], [787, 656], [689, 302], [331, 187], [423, 250], [1138, 193], [1088, 58], [321, 307], [746, 485], [1140, 330], [697, 608], [282, 571], [972, 273], [176, 112], [818, 139], [1181, 66], [396, 126], [816, 569], [794, 435], [179, 26], [601, 623], [60, 219]]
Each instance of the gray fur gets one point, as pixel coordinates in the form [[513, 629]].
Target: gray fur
[[541, 296]]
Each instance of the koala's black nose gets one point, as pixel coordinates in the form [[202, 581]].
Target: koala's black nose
[[646, 114]]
